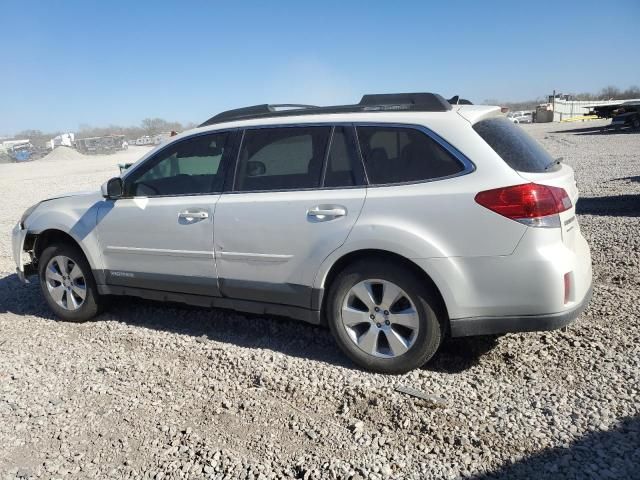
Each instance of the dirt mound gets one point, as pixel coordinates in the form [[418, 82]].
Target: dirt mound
[[63, 153]]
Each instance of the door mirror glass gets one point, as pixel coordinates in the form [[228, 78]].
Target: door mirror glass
[[113, 188], [255, 169]]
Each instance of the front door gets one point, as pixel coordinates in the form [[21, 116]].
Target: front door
[[160, 235], [297, 193]]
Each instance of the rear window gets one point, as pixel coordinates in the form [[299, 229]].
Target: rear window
[[514, 145]]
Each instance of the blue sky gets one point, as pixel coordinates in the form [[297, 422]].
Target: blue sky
[[117, 62]]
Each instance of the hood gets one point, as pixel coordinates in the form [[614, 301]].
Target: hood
[[62, 212], [74, 194]]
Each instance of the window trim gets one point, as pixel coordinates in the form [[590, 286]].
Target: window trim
[[230, 161], [359, 171], [331, 125], [468, 165], [226, 158]]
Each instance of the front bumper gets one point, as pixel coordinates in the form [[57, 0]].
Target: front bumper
[[17, 244], [467, 327]]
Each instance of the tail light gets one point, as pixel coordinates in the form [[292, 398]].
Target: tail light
[[531, 204]]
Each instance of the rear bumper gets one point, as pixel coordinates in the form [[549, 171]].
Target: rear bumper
[[467, 327]]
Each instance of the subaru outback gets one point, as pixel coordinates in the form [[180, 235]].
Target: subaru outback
[[398, 221]]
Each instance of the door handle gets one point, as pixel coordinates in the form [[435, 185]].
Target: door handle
[[327, 212], [193, 216]]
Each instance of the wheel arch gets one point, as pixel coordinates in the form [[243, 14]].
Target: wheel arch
[[52, 236], [372, 254]]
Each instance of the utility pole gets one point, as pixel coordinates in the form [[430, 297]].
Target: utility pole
[[553, 106]]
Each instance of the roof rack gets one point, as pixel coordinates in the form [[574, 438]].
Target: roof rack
[[256, 110], [456, 100], [417, 102]]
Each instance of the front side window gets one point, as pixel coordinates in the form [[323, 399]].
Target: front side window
[[283, 158], [190, 166], [402, 154]]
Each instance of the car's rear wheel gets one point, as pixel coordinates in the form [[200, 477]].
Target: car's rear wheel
[[384, 317], [67, 283]]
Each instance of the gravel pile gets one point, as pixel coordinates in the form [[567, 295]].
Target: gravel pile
[[161, 392]]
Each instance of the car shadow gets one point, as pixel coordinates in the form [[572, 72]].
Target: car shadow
[[290, 337], [457, 355], [610, 206], [609, 454], [590, 129], [601, 130], [20, 299], [635, 178]]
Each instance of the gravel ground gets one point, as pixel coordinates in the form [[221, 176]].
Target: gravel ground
[[160, 391]]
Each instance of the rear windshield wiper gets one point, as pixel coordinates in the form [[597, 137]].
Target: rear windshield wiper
[[553, 163]]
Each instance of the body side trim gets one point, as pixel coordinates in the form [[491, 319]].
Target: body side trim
[[158, 281], [261, 308], [254, 257], [160, 251]]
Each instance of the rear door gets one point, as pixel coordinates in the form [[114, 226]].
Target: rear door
[[297, 193]]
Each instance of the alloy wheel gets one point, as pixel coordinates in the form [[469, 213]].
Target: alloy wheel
[[66, 283], [380, 318]]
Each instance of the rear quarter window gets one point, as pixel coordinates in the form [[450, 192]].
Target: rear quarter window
[[515, 146], [403, 154]]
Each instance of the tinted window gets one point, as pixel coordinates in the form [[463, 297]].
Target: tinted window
[[514, 145], [397, 154], [281, 158], [190, 166], [343, 169]]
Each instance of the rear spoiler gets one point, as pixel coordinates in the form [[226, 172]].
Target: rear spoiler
[[475, 113]]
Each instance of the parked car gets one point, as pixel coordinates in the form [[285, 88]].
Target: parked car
[[521, 117], [398, 221]]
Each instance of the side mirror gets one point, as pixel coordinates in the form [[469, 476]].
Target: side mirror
[[112, 188], [255, 169]]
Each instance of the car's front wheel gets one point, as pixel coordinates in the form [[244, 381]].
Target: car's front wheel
[[67, 283], [384, 317]]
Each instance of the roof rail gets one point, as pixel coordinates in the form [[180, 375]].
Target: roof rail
[[418, 102], [254, 111], [456, 100], [426, 101]]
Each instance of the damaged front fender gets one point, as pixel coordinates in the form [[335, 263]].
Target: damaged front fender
[[22, 245]]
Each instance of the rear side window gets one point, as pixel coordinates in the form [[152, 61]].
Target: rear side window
[[401, 154], [514, 145], [287, 158]]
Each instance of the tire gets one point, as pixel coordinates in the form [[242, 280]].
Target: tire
[[50, 283], [636, 123], [417, 305]]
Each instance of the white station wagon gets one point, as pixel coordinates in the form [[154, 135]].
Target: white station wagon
[[397, 221]]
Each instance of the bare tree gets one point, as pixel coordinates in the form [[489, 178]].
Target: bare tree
[[153, 126], [610, 93]]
